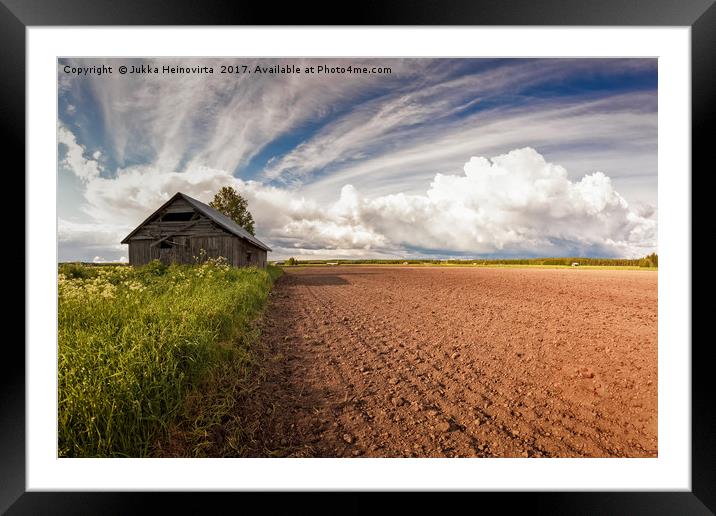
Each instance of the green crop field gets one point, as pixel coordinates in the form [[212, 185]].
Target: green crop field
[[134, 342]]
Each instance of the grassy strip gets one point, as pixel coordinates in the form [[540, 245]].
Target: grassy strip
[[135, 342], [219, 417]]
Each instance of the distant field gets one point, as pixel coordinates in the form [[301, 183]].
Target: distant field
[[648, 262], [490, 266]]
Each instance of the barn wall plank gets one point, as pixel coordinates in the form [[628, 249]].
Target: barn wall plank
[[139, 252]]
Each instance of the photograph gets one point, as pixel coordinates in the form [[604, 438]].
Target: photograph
[[357, 257], [414, 249]]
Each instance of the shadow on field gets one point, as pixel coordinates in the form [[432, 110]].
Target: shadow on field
[[273, 410], [285, 414]]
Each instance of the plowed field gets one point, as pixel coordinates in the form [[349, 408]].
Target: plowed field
[[459, 362]]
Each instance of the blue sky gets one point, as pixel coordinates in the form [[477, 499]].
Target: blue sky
[[440, 157]]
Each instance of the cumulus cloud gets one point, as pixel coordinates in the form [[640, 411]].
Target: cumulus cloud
[[515, 203], [511, 204], [102, 259], [136, 192]]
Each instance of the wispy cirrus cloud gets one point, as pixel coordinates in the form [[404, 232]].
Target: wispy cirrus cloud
[[458, 112], [355, 166], [567, 130], [219, 121]]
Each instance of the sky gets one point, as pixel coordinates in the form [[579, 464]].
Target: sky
[[435, 158]]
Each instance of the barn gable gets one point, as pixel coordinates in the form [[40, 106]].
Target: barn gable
[[182, 227], [175, 218]]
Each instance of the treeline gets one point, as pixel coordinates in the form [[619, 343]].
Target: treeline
[[651, 260]]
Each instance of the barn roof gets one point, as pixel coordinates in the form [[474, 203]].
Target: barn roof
[[216, 216]]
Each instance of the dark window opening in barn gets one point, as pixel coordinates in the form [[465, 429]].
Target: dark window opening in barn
[[164, 245], [248, 257], [180, 216]]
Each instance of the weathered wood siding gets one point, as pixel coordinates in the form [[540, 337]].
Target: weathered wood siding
[[248, 254], [237, 252], [139, 252]]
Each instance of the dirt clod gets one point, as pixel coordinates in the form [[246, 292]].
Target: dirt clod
[[443, 426]]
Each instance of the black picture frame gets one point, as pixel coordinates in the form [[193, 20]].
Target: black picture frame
[[17, 15]]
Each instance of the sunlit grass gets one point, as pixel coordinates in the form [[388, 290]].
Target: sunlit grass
[[133, 342]]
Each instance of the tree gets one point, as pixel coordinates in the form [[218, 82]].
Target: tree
[[651, 260], [230, 202]]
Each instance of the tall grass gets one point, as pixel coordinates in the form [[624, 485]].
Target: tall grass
[[134, 341]]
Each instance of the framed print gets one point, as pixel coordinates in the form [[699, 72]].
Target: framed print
[[414, 252]]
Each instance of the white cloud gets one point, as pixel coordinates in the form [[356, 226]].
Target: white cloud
[[136, 192], [102, 259], [222, 121], [515, 203], [512, 204], [219, 121], [85, 240], [380, 168], [84, 168], [393, 121], [96, 234], [622, 128]]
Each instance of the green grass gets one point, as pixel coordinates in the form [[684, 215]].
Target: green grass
[[134, 343]]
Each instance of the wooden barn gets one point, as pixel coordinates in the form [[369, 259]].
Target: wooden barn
[[183, 226]]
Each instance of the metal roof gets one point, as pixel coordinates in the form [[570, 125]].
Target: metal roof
[[222, 220]]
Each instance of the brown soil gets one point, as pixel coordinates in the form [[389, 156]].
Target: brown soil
[[459, 362]]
